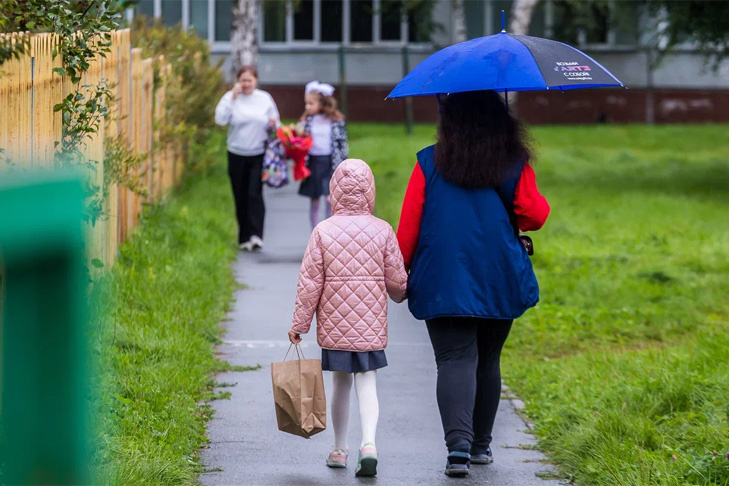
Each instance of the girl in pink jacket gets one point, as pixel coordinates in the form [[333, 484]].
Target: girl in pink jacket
[[351, 265]]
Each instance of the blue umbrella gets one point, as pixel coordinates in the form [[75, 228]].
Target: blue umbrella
[[504, 62]]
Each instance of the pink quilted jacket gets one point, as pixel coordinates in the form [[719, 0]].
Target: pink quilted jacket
[[351, 264]]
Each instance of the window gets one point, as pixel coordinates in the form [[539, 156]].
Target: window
[[583, 23], [597, 25], [538, 25], [304, 20], [331, 21], [627, 28], [390, 20], [420, 23], [146, 8], [223, 19], [475, 12], [360, 17], [171, 12], [328, 21], [199, 17], [274, 23]]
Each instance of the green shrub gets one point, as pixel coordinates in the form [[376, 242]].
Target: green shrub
[[195, 85]]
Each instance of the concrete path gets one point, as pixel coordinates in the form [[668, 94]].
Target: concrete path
[[246, 447]]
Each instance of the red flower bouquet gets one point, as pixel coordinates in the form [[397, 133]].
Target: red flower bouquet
[[297, 145]]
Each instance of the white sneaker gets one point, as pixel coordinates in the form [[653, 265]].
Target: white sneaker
[[247, 246], [256, 243]]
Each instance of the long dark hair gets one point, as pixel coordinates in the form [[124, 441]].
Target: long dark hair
[[479, 142]]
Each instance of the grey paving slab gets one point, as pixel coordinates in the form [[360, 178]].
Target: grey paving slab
[[246, 447]]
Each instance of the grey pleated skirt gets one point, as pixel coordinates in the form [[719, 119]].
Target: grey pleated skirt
[[352, 361]]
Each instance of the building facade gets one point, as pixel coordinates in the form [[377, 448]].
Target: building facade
[[370, 44]]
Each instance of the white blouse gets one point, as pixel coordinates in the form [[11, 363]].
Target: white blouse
[[321, 134]]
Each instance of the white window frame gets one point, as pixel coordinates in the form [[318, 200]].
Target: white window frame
[[289, 42], [609, 45], [346, 30]]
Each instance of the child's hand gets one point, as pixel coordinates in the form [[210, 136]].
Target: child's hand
[[294, 338]]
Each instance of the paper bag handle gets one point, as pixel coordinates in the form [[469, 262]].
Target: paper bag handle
[[298, 349]]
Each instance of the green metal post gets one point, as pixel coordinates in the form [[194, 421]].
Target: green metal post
[[43, 412], [408, 100], [342, 79]]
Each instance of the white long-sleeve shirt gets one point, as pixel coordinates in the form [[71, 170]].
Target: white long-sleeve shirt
[[247, 118], [321, 134]]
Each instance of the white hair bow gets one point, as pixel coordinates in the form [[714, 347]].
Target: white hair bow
[[323, 88]]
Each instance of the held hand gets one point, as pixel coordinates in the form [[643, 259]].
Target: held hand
[[294, 338]]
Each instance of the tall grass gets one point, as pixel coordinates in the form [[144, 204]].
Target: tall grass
[[163, 302]]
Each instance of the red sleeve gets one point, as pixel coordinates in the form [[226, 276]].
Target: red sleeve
[[531, 208], [408, 232]]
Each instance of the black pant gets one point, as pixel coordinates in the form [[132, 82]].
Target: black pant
[[245, 177], [467, 353]]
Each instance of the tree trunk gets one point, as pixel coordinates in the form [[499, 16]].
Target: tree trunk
[[521, 16], [460, 33], [244, 34]]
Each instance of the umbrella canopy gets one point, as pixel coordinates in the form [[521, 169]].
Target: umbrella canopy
[[504, 62]]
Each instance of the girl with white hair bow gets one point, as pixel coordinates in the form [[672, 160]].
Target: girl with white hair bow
[[325, 123]]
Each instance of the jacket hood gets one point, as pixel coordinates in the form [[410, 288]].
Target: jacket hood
[[352, 188]]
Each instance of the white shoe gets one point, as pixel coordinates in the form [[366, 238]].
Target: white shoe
[[247, 246], [256, 243]]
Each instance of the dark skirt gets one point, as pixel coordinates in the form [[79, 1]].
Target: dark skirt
[[352, 361], [317, 184]]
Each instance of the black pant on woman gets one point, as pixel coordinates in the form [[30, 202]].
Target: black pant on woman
[[245, 177], [467, 354]]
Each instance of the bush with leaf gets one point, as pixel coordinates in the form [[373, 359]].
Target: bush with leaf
[[195, 84]]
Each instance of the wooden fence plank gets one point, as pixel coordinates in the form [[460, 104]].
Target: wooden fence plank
[[30, 129]]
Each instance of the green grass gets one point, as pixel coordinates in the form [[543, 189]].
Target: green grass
[[624, 363], [170, 289]]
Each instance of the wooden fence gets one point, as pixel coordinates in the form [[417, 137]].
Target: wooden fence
[[29, 128]]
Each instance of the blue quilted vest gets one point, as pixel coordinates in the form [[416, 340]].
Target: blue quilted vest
[[469, 260]]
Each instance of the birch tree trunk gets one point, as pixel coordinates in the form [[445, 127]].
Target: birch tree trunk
[[244, 34], [460, 33], [521, 16]]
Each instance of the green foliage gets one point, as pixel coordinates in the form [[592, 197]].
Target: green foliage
[[157, 323], [196, 83], [705, 23], [623, 364], [668, 23], [84, 28], [9, 48], [121, 164], [82, 113]]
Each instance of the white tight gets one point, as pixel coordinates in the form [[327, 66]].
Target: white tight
[[365, 384], [314, 210]]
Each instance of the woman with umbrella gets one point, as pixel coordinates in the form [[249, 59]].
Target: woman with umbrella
[[468, 197], [470, 275]]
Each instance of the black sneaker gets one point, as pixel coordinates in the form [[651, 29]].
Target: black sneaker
[[485, 458], [457, 464]]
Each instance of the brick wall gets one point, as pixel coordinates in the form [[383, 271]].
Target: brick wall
[[538, 107]]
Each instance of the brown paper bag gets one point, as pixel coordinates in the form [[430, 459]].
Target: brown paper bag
[[298, 394]]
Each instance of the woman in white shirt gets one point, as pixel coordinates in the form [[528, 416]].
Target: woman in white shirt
[[249, 113]]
